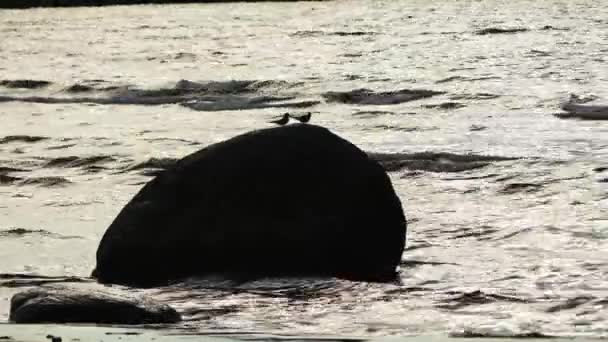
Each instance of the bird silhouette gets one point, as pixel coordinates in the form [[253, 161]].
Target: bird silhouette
[[282, 121], [303, 118]]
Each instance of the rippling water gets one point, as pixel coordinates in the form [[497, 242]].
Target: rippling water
[[513, 245]]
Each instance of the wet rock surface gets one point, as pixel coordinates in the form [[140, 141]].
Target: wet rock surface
[[46, 305], [303, 187]]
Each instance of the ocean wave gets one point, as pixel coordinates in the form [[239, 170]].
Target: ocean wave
[[476, 96], [50, 181], [245, 103], [365, 96], [459, 300], [8, 169], [24, 84], [22, 138], [75, 161], [495, 333], [512, 188], [435, 161], [153, 166], [445, 105], [203, 96], [399, 128], [319, 33], [372, 113], [17, 280], [500, 30], [20, 232]]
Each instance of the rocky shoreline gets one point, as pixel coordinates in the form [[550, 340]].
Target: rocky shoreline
[[15, 4]]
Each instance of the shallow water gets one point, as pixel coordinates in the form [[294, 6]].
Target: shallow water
[[505, 247]]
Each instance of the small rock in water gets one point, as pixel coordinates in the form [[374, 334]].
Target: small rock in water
[[65, 305], [21, 138], [475, 128]]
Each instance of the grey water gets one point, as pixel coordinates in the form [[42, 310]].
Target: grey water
[[506, 203]]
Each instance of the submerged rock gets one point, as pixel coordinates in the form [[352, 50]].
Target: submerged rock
[[294, 200], [76, 306], [584, 111]]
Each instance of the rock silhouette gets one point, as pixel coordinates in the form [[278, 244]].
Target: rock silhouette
[[76, 306], [295, 200]]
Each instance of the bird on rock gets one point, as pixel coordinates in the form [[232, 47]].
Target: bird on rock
[[282, 121], [304, 118]]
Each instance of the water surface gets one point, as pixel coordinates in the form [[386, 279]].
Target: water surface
[[511, 247]]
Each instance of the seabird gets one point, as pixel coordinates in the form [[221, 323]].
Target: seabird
[[304, 118], [282, 121], [54, 338]]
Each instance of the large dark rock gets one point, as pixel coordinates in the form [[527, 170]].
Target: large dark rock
[[295, 200], [76, 306]]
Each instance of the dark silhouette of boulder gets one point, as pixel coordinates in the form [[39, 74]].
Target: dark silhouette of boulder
[[68, 305], [295, 200]]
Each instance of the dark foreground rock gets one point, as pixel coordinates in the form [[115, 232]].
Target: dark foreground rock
[[294, 200], [76, 306]]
